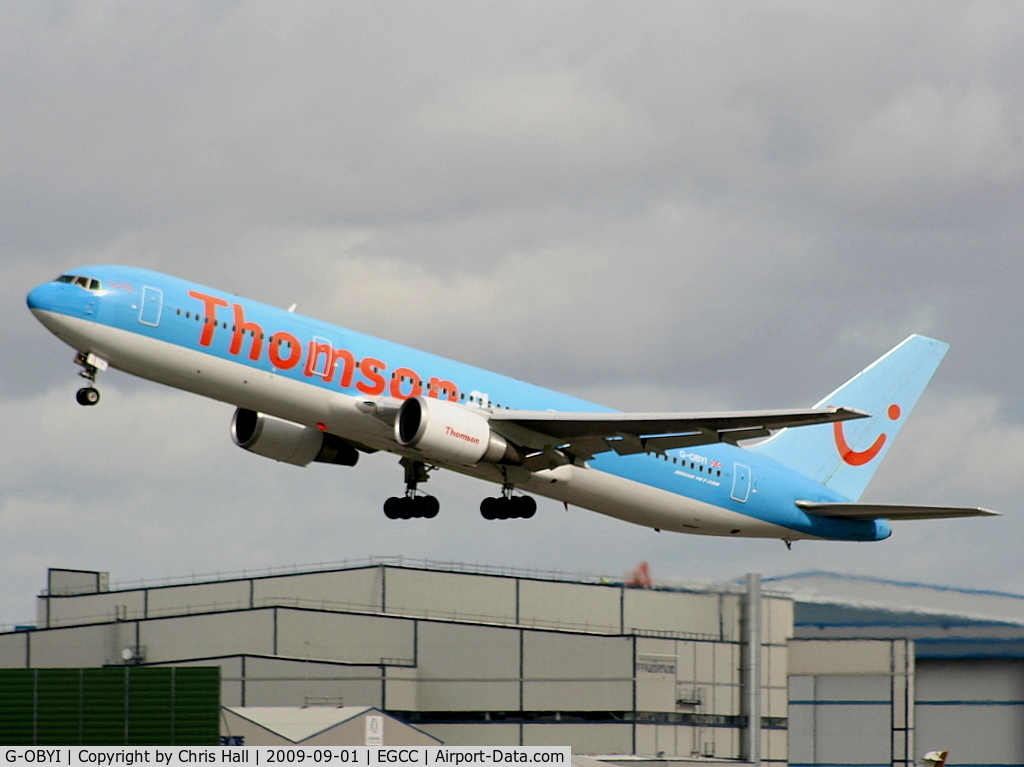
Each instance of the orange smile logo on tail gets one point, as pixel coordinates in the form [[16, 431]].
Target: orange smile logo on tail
[[861, 457]]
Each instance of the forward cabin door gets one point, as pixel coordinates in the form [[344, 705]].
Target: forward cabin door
[[152, 306]]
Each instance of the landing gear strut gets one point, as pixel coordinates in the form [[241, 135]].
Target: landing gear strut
[[91, 366], [508, 506], [410, 505]]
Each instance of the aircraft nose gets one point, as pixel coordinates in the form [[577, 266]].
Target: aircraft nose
[[42, 298]]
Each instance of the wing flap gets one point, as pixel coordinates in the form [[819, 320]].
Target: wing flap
[[890, 511]]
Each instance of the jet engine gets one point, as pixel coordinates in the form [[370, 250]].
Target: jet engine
[[447, 432], [289, 442]]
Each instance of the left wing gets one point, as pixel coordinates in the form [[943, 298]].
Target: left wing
[[890, 511], [583, 435]]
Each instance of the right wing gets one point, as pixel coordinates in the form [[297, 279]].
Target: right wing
[[564, 436]]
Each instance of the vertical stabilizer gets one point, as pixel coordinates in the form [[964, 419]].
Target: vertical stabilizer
[[844, 456]]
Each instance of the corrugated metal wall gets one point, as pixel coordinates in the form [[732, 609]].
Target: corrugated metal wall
[[109, 706], [972, 707], [851, 703]]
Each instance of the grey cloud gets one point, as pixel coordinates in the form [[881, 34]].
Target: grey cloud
[[687, 206]]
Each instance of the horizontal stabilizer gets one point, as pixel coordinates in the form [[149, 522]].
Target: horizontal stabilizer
[[890, 511]]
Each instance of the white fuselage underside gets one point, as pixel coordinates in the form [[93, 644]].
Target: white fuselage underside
[[351, 418]]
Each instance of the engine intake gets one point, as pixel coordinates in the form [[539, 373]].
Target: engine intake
[[289, 442], [447, 432]]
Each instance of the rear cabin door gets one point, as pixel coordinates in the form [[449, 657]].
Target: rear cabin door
[[740, 483]]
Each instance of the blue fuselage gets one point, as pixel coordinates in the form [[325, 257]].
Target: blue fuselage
[[256, 356]]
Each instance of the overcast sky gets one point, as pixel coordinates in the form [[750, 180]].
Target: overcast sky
[[661, 205]]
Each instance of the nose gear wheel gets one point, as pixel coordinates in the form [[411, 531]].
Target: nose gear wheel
[[88, 396]]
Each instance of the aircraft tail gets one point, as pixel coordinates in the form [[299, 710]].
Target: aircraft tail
[[843, 456]]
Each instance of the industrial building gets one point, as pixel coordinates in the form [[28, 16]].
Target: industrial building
[[952, 677], [467, 657], [808, 670]]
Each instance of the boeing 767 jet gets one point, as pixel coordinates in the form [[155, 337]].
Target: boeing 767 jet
[[305, 391]]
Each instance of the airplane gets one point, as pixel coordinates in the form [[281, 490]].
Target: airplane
[[307, 391]]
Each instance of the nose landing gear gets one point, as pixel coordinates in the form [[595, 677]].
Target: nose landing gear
[[91, 365]]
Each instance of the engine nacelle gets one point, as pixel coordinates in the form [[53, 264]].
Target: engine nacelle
[[289, 442], [449, 433]]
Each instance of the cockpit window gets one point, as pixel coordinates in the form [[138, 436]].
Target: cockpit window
[[84, 282]]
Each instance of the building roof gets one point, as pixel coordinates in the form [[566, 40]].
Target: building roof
[[298, 724], [944, 622], [917, 602]]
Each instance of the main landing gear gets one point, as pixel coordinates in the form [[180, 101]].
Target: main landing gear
[[508, 506], [413, 506], [410, 505], [91, 366]]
